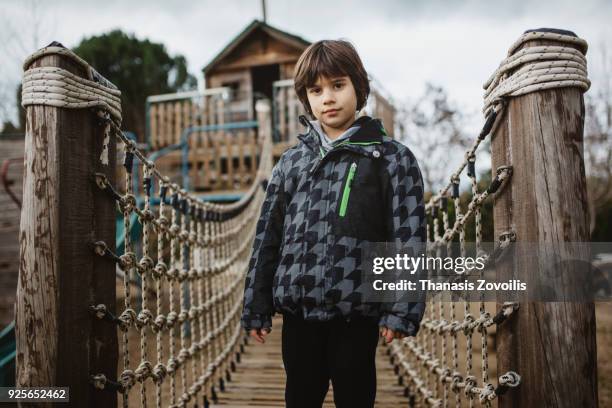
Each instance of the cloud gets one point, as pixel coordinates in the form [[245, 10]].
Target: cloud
[[403, 43]]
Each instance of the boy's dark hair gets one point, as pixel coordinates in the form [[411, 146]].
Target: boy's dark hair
[[330, 58]]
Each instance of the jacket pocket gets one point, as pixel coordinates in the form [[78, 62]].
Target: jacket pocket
[[360, 209]]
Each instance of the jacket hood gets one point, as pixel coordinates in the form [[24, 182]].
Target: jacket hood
[[370, 130]]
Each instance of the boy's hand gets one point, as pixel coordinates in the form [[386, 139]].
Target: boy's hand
[[259, 334], [389, 334]]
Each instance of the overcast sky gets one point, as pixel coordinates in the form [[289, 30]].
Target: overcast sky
[[404, 44]]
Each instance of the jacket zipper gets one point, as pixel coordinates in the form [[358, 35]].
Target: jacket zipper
[[347, 189]]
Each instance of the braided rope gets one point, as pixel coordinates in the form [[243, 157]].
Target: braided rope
[[421, 361], [541, 67]]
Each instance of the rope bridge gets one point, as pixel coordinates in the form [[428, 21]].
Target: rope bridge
[[192, 255], [429, 363]]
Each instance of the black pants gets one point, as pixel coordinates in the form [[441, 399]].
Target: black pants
[[315, 352]]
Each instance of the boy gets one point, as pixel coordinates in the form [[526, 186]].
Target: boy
[[344, 184]]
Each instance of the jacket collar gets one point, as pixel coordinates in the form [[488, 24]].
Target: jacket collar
[[370, 131]]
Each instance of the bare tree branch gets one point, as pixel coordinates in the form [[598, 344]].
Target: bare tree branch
[[23, 31], [432, 128], [597, 139]]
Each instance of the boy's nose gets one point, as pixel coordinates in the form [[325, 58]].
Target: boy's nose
[[328, 97]]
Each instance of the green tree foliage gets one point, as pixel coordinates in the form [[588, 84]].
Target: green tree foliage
[[9, 129], [139, 68]]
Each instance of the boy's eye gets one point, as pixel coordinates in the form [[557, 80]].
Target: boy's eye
[[315, 90], [338, 85]]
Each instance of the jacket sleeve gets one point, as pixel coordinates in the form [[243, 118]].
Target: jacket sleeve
[[258, 306], [408, 232]]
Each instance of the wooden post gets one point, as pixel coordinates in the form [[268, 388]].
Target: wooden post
[[59, 343], [550, 344], [263, 111]]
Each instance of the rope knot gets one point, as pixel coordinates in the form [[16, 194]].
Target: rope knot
[[127, 260], [182, 275], [171, 319], [174, 230], [146, 264], [193, 274], [127, 203], [510, 379], [446, 372], [185, 398], [510, 307], [163, 223], [433, 364], [98, 381], [159, 373], [99, 311], [143, 371], [470, 383], [130, 145], [172, 273], [195, 388], [457, 378], [487, 393], [184, 355], [101, 181], [159, 323], [127, 379], [126, 319], [173, 364], [441, 326], [100, 248], [160, 270], [144, 318], [195, 348], [467, 324], [146, 216], [182, 316]]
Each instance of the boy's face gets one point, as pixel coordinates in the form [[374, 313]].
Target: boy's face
[[333, 102]]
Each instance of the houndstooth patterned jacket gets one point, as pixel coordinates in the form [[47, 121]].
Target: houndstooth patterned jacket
[[319, 211]]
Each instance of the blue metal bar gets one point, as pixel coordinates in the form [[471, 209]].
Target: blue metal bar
[[162, 152]]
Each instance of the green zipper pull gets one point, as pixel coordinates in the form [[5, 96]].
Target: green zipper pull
[[347, 189]]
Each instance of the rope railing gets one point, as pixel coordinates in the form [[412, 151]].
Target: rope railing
[[209, 246], [191, 280], [429, 365]]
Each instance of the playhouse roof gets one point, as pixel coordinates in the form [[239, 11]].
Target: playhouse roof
[[255, 25]]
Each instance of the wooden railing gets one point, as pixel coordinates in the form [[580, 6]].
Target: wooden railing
[[168, 115], [286, 110]]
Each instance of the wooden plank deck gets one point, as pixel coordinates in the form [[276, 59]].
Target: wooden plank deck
[[259, 380]]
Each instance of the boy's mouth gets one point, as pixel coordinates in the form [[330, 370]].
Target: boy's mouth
[[331, 111]]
